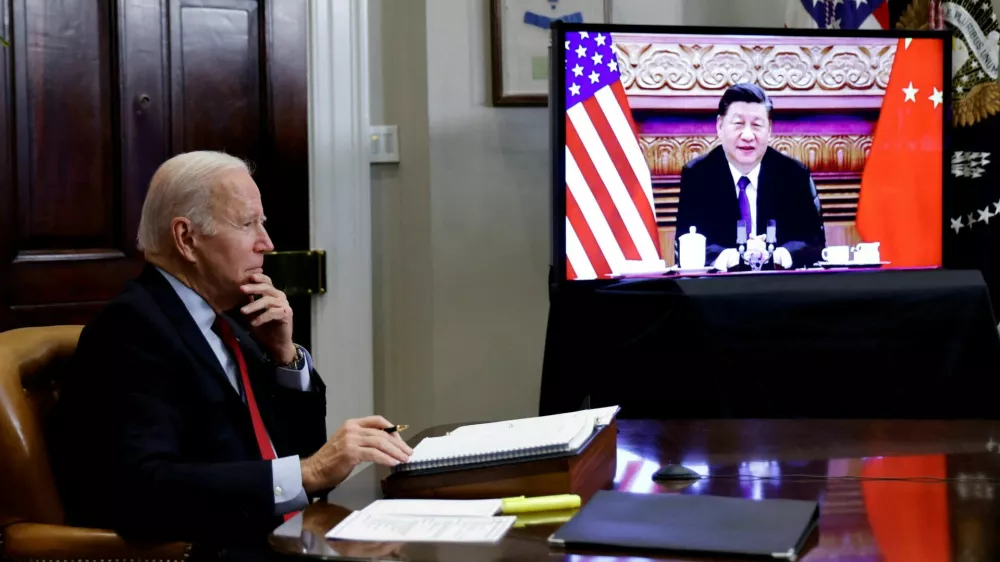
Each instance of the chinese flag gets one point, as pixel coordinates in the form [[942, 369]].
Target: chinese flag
[[900, 201]]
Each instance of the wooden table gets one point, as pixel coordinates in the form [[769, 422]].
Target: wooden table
[[889, 491]]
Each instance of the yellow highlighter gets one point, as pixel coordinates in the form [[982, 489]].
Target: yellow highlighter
[[544, 518], [522, 504]]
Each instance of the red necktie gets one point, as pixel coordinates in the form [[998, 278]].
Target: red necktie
[[222, 328]]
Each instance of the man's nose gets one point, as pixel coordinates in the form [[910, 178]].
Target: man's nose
[[264, 244], [746, 133]]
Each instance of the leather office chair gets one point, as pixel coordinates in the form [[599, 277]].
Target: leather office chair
[[32, 520]]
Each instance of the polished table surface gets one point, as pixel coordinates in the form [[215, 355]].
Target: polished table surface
[[889, 491]]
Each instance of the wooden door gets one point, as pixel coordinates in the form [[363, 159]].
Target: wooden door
[[95, 94]]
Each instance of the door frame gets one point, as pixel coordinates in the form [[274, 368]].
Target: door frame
[[340, 205]]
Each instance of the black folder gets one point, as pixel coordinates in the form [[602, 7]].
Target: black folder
[[690, 523]]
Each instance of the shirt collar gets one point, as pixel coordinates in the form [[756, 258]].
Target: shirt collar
[[753, 175], [197, 307]]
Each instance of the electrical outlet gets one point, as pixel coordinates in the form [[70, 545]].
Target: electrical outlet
[[384, 141]]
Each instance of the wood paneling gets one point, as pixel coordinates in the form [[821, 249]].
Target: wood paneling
[[66, 242], [66, 184], [283, 170], [96, 94], [144, 110], [7, 175], [215, 76]]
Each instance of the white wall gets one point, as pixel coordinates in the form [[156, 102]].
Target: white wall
[[461, 224], [401, 227], [490, 227], [746, 13]]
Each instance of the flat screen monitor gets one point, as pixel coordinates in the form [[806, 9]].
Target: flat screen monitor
[[704, 151]]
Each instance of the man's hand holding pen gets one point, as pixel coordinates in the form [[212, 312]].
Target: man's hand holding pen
[[359, 440]]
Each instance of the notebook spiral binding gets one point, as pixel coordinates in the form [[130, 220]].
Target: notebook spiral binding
[[503, 454]]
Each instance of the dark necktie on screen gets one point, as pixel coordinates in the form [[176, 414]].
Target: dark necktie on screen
[[225, 332], [745, 204]]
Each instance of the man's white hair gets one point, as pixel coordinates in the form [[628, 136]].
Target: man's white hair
[[183, 186]]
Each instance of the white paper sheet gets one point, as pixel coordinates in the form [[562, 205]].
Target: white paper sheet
[[481, 508], [371, 526], [603, 416]]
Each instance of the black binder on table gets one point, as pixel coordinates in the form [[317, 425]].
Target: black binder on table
[[690, 523]]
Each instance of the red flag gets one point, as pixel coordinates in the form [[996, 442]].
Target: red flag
[[909, 519], [900, 202]]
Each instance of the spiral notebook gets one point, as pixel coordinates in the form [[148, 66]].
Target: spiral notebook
[[508, 440]]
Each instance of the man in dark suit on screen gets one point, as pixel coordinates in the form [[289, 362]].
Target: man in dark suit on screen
[[190, 413], [745, 179]]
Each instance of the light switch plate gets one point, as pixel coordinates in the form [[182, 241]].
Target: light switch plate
[[384, 141]]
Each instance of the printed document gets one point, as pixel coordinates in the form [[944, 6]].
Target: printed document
[[374, 526]]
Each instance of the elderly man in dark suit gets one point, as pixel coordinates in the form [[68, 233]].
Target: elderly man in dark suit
[[191, 414], [745, 179]]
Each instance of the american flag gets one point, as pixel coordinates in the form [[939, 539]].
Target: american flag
[[609, 195], [838, 14]]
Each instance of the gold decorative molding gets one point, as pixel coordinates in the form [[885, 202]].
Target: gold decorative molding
[[812, 67], [841, 154]]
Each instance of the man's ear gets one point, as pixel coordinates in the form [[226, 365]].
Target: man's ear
[[718, 125], [182, 232]]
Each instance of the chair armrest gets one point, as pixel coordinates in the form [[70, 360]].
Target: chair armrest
[[28, 541]]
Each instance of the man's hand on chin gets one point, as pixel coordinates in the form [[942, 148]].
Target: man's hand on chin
[[357, 441], [270, 318]]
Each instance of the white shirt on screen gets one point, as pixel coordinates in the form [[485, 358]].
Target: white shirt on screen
[[751, 192], [730, 258]]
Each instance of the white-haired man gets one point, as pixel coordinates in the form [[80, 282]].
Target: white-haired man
[[190, 413]]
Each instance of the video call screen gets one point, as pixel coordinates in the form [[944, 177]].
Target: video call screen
[[723, 153]]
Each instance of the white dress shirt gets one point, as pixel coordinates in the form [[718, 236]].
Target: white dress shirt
[[751, 192], [286, 472], [729, 259]]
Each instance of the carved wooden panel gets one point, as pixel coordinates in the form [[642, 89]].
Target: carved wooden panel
[[215, 76], [659, 73], [8, 213], [66, 180], [67, 242], [96, 94], [839, 155]]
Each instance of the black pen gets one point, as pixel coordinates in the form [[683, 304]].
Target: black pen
[[395, 428]]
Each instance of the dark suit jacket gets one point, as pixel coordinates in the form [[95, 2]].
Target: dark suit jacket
[[785, 193], [150, 438]]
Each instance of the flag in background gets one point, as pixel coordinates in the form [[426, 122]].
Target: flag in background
[[609, 193], [837, 14], [972, 198], [900, 200]]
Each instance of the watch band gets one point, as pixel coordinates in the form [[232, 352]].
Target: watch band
[[296, 363]]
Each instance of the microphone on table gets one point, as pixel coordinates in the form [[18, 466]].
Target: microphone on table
[[741, 237], [771, 239]]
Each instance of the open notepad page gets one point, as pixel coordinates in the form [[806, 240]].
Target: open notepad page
[[601, 417], [508, 440]]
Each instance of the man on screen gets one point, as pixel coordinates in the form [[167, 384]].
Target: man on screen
[[745, 179]]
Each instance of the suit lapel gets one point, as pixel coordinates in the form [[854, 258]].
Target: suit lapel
[[174, 309], [766, 184], [727, 188]]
